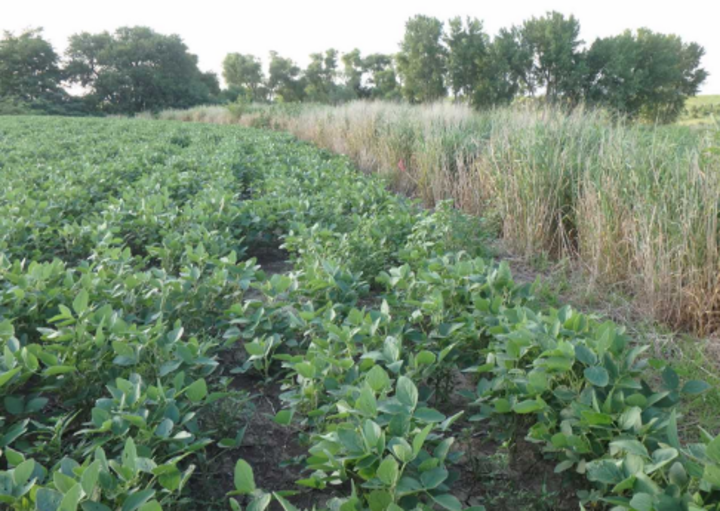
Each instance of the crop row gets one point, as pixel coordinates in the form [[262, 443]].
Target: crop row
[[131, 265]]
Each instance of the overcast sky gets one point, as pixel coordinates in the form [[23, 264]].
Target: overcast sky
[[296, 28]]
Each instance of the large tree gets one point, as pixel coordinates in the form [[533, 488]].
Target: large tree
[[505, 72], [645, 74], [29, 68], [422, 60], [382, 79], [468, 53], [244, 73], [320, 77], [558, 64], [137, 69], [285, 82], [354, 70]]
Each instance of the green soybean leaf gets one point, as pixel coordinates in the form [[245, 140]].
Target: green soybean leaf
[[712, 475], [694, 387], [305, 370], [244, 478], [713, 450], [670, 378], [407, 392], [283, 417], [129, 454], [80, 303], [402, 450], [164, 429], [433, 478], [260, 503], [597, 375], [502, 406], [7, 376], [388, 471], [428, 415], [366, 402], [379, 500], [447, 501], [377, 378], [529, 406], [604, 471], [48, 500], [284, 503], [678, 475], [425, 358], [72, 497], [22, 473], [197, 391], [137, 499], [661, 457], [642, 502], [90, 477], [420, 438], [631, 446]]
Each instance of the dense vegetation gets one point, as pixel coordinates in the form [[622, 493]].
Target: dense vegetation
[[640, 74], [635, 205], [139, 316], [132, 70]]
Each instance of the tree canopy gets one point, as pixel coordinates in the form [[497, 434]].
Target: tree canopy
[[644, 74], [422, 60], [30, 74], [640, 74], [137, 69], [557, 64], [468, 55], [245, 74]]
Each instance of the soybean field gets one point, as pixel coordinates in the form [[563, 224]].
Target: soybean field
[[198, 316]]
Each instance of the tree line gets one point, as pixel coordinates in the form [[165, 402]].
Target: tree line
[[641, 74], [129, 71]]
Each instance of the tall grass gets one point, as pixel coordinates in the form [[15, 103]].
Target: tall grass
[[635, 205]]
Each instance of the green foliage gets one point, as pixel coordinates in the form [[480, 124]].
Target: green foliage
[[285, 82], [382, 77], [422, 60], [558, 66], [244, 73], [124, 282], [646, 74], [29, 67], [137, 69], [468, 55], [30, 78], [320, 77], [353, 71]]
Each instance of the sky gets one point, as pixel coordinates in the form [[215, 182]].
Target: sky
[[296, 28]]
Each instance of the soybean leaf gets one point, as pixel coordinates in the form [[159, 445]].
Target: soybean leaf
[[80, 303], [243, 478], [407, 392], [597, 375], [197, 391], [388, 471], [694, 387]]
